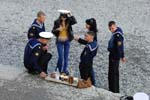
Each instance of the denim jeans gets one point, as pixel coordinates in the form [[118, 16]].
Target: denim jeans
[[93, 77], [63, 53]]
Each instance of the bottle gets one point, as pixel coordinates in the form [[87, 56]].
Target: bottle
[[71, 78]]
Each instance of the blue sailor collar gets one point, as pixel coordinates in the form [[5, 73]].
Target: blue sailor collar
[[37, 24]]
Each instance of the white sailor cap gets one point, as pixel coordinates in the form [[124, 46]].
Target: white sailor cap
[[141, 96], [64, 11], [46, 35]]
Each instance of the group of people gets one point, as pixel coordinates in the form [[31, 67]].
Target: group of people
[[36, 55]]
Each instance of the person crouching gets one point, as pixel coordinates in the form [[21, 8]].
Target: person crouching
[[36, 58]]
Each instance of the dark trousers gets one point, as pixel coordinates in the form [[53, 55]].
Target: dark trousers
[[113, 75], [43, 63], [93, 77], [85, 70]]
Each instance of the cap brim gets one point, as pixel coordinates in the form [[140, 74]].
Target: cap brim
[[64, 11], [46, 35]]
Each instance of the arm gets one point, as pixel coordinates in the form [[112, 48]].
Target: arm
[[31, 32], [82, 41], [35, 57], [54, 30], [72, 20], [120, 47]]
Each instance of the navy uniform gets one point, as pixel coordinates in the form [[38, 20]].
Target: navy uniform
[[116, 52], [84, 42], [86, 60], [35, 58], [35, 29]]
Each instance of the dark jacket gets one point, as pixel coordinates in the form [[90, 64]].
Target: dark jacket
[[89, 52], [71, 21], [35, 29], [116, 50], [32, 53]]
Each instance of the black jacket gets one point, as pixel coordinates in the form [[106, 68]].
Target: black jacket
[[35, 29], [89, 51], [116, 51], [71, 21]]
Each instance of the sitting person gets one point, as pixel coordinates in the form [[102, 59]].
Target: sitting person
[[36, 57], [87, 55]]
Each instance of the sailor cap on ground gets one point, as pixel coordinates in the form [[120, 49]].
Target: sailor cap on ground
[[64, 11], [141, 96], [46, 35]]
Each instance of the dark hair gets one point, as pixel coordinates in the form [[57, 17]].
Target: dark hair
[[63, 15], [41, 13], [93, 24], [91, 33], [111, 23]]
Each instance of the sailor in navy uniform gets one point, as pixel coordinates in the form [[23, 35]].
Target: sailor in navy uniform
[[37, 26], [116, 53], [87, 56], [36, 58]]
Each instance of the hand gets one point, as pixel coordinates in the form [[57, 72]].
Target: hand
[[59, 29], [69, 14], [45, 48], [123, 60], [76, 37], [43, 75]]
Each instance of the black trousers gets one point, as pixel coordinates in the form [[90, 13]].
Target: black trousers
[[43, 63], [85, 70], [113, 75]]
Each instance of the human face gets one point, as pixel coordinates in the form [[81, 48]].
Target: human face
[[87, 26], [63, 18], [88, 37], [44, 41], [113, 28], [41, 19]]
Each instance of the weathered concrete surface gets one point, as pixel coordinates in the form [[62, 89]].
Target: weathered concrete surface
[[132, 15], [28, 87]]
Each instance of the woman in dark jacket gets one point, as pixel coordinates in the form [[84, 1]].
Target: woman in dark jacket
[[64, 35], [90, 25]]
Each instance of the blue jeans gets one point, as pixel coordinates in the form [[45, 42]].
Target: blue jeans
[[93, 77], [63, 53]]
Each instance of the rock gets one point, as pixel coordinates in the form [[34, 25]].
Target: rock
[[132, 15], [33, 88]]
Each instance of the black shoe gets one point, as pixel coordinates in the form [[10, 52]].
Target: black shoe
[[33, 72]]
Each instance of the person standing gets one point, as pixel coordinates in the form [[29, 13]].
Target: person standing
[[64, 35], [36, 58], [37, 26], [116, 53], [90, 25], [87, 56]]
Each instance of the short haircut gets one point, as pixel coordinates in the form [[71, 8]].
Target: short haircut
[[111, 23], [91, 33], [40, 13]]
